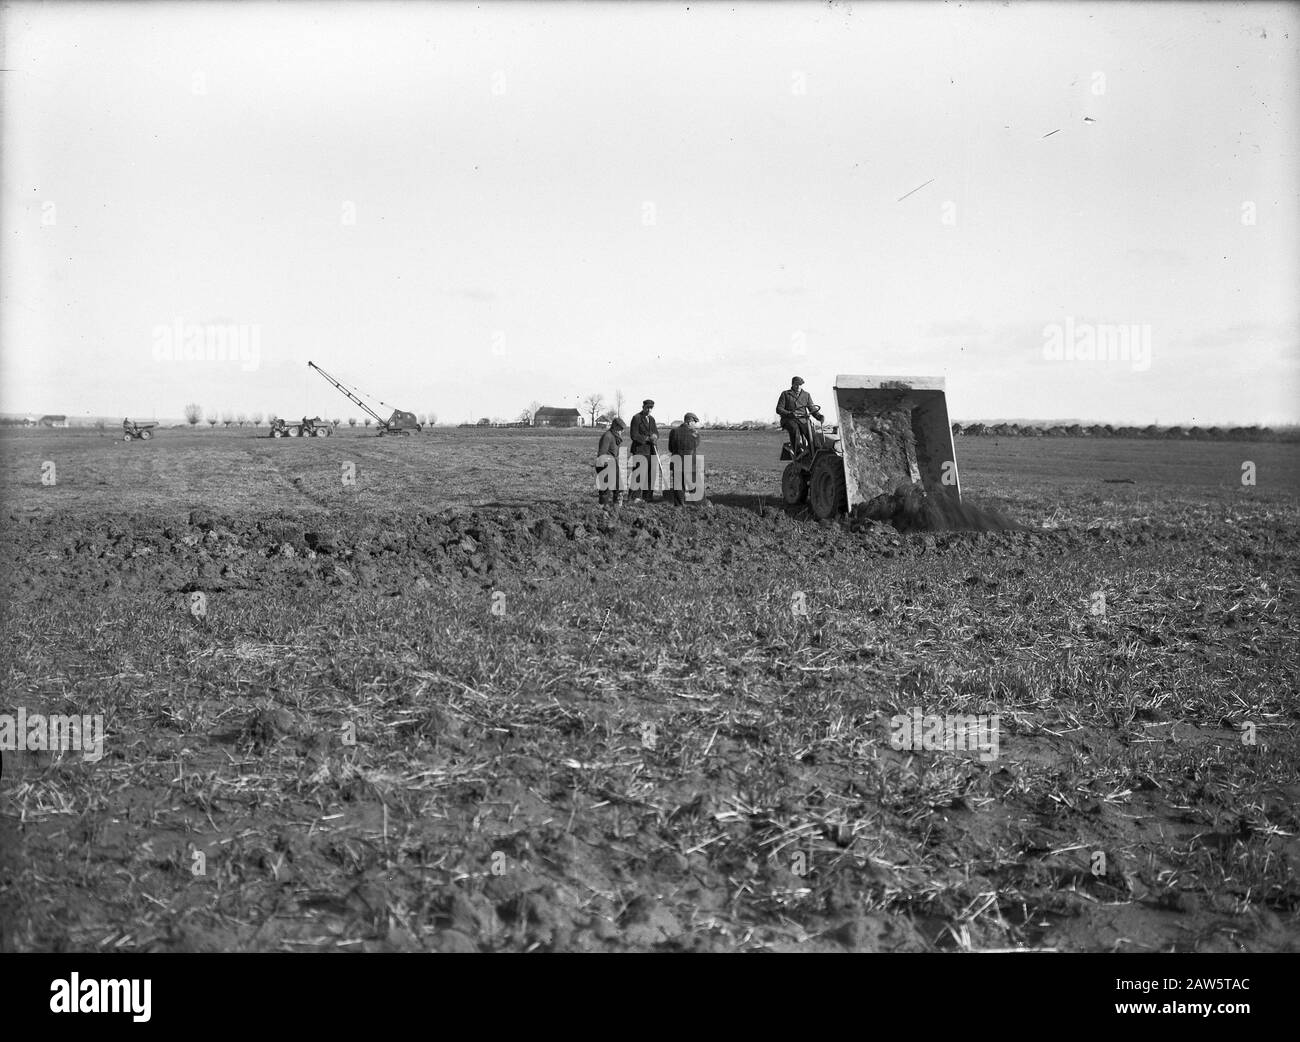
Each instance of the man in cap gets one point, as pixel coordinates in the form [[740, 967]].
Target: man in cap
[[645, 434], [794, 407], [684, 445], [611, 471]]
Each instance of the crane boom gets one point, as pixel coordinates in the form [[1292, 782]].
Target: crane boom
[[344, 388]]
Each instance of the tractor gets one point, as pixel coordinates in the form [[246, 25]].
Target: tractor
[[892, 432], [132, 431], [815, 474]]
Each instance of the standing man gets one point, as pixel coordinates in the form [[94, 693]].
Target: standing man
[[610, 469], [794, 406], [645, 435], [684, 445]]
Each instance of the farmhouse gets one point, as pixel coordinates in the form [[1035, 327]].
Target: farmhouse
[[548, 416], [54, 421]]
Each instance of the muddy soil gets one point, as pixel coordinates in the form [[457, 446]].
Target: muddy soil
[[653, 747]]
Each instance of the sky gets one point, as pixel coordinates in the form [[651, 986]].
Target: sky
[[462, 209]]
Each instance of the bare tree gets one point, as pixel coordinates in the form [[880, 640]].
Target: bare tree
[[212, 421], [592, 403], [257, 419], [241, 419], [193, 414], [619, 402], [226, 419], [367, 421], [352, 421], [433, 419], [337, 420]]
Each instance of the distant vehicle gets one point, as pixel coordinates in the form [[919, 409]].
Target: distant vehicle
[[313, 428], [137, 431]]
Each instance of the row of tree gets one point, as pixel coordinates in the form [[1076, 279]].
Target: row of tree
[[1098, 430], [194, 415]]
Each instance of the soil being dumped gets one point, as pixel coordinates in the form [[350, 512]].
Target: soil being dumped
[[910, 508]]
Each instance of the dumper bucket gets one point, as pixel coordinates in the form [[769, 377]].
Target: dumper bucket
[[895, 430]]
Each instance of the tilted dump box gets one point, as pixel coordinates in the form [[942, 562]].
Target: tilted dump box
[[895, 430]]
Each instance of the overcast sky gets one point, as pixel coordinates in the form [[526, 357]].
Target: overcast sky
[[466, 208]]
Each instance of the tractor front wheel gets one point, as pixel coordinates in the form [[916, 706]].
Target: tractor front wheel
[[146, 434], [827, 494], [277, 433], [794, 485], [126, 437]]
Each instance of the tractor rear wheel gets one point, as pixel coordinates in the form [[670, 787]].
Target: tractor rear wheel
[[827, 494], [794, 485]]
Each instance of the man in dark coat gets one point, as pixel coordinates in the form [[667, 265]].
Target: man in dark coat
[[611, 478], [794, 407], [684, 445], [645, 436]]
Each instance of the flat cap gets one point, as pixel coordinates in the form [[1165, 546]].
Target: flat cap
[[648, 403], [617, 424], [796, 379], [690, 417]]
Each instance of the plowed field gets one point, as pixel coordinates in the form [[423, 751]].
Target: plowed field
[[456, 705]]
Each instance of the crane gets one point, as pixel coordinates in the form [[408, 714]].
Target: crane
[[399, 423]]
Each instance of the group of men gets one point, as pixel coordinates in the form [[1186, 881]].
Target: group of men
[[683, 448], [793, 406]]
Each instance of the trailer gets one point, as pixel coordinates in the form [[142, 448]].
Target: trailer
[[314, 427], [400, 422]]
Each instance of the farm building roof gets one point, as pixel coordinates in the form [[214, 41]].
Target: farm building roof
[[547, 410]]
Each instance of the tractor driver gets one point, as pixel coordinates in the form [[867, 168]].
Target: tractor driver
[[794, 406]]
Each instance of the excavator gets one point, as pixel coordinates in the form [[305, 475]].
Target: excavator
[[399, 423]]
